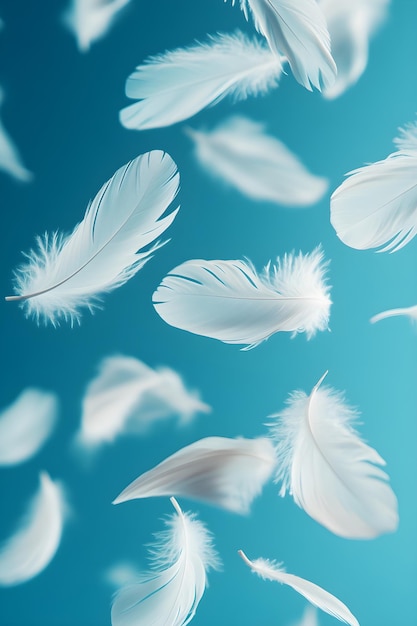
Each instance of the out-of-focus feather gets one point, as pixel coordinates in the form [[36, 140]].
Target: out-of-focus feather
[[170, 593], [296, 29], [377, 205], [229, 301], [228, 473], [410, 311], [34, 544], [10, 159], [309, 617], [270, 570], [26, 424], [90, 20], [178, 84], [329, 471], [128, 396], [121, 575], [68, 273]]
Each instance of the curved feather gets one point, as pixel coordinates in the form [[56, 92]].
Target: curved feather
[[329, 471], [228, 473], [10, 159], [410, 311], [377, 205], [90, 20], [178, 84], [68, 273], [34, 544], [229, 301], [170, 593], [318, 596]]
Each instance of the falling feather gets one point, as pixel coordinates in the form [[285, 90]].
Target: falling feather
[[90, 20], [229, 301], [178, 84], [410, 311], [228, 473], [170, 593], [329, 471], [376, 207], [68, 273], [26, 424], [10, 159], [34, 544], [270, 570]]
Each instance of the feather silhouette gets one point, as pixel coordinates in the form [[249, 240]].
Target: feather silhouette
[[26, 424], [329, 471], [170, 593], [296, 29], [178, 84], [10, 159], [68, 273], [410, 311], [269, 570], [34, 544], [239, 152], [228, 473], [229, 301], [377, 205], [90, 20]]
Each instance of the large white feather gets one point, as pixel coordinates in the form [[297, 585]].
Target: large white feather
[[298, 30], [90, 20], [170, 593], [228, 473], [68, 273], [10, 159], [410, 311], [239, 152], [178, 84], [329, 471], [377, 205], [228, 300], [318, 596], [34, 544], [26, 424]]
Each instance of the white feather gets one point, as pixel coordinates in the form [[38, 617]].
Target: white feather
[[90, 20], [228, 473], [309, 617], [26, 424], [68, 273], [410, 311], [377, 205], [229, 301], [170, 593], [321, 598], [329, 471], [298, 30], [34, 544], [239, 152], [10, 159], [121, 575], [178, 84]]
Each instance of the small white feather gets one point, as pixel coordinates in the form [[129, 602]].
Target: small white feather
[[410, 311], [270, 570], [10, 159], [309, 617], [90, 20]]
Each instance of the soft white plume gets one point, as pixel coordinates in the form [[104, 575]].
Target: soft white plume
[[170, 592], [228, 473], [178, 84], [309, 617], [229, 301], [410, 311], [239, 152], [68, 273], [270, 570], [90, 20], [26, 424], [329, 471], [34, 544], [10, 159], [376, 207]]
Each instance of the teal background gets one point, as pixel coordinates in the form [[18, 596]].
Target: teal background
[[62, 108]]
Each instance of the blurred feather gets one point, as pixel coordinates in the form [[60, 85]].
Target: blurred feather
[[309, 617], [90, 20], [410, 311], [10, 159], [121, 575]]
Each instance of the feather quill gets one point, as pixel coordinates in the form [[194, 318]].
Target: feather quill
[[228, 473], [229, 301], [90, 20], [269, 570], [376, 207], [329, 471], [68, 273], [410, 311], [10, 159], [34, 544], [170, 593], [178, 84]]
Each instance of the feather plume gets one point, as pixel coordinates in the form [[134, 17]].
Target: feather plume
[[90, 20], [68, 273], [296, 29], [26, 424], [269, 570], [329, 471], [228, 473], [377, 205], [34, 544], [170, 593], [10, 159], [178, 84], [410, 311], [229, 301]]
